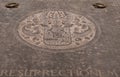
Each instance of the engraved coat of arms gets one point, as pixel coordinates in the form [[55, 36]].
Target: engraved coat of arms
[[57, 30]]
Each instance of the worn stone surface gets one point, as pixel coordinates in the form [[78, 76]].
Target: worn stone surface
[[60, 38]]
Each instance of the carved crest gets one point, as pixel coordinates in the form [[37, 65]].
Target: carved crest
[[57, 30]]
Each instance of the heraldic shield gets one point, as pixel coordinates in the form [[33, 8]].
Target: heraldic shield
[[57, 31]]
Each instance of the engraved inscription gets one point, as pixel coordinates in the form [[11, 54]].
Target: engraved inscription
[[57, 30], [58, 73]]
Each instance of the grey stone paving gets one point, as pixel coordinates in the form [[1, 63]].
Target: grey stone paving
[[59, 38]]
